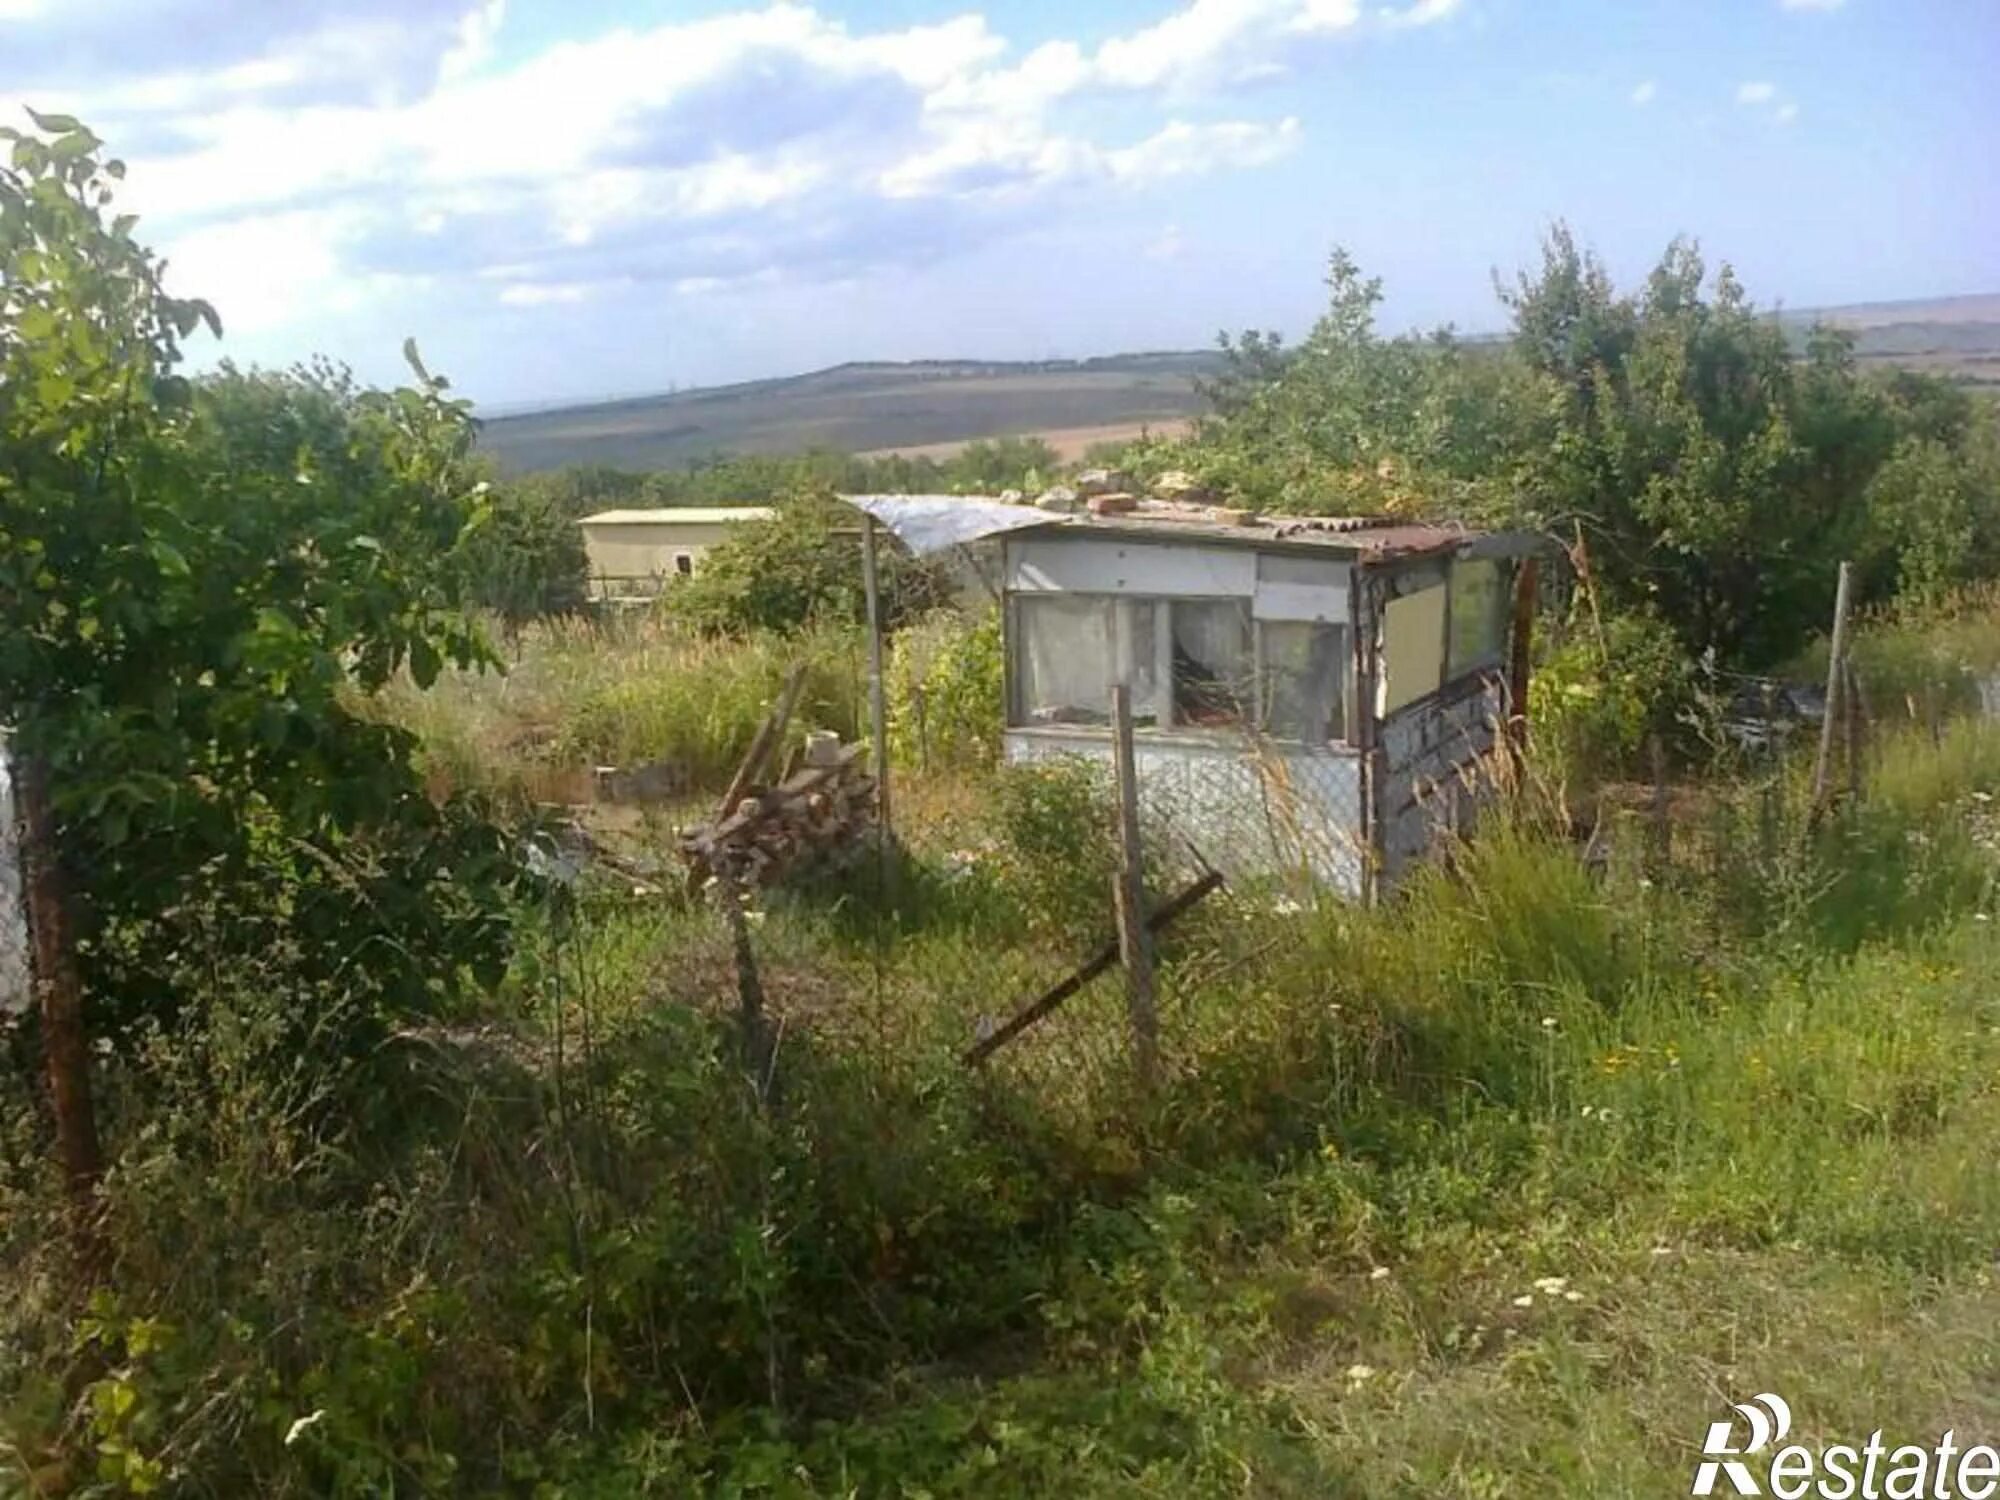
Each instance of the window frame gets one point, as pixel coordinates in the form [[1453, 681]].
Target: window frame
[[1256, 709]]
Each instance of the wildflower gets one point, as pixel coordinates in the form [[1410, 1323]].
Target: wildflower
[[1548, 1286], [1360, 1374], [1380, 1273], [1645, 884], [1659, 1250], [1572, 1296], [1526, 1299], [754, 918], [1548, 1023], [1285, 906]]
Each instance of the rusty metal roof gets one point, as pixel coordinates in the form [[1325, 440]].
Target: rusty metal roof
[[1372, 537], [959, 519]]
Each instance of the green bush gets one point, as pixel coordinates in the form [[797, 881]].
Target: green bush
[[803, 567], [946, 682], [1595, 699]]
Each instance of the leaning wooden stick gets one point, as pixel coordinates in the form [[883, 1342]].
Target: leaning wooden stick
[[1101, 960]]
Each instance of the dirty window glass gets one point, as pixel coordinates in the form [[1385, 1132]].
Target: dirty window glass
[[1305, 681], [1063, 674], [1073, 647], [1478, 615], [1211, 661]]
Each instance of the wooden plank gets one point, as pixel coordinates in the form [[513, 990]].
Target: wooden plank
[[1135, 949], [769, 734], [1102, 959]]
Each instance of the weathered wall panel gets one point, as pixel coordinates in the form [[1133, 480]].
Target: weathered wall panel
[[1252, 810]]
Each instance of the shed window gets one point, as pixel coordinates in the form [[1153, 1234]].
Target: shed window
[[1212, 662], [1305, 681], [1478, 615], [683, 564], [1072, 647]]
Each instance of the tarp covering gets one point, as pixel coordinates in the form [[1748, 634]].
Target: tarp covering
[[931, 523]]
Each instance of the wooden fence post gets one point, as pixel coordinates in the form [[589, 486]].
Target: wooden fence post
[[59, 993], [1851, 687], [1835, 662], [1134, 943], [1520, 653], [1663, 826], [878, 718]]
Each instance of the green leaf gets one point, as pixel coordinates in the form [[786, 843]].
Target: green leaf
[[54, 124], [415, 360], [168, 557]]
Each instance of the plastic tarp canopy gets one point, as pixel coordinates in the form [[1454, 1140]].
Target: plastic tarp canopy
[[931, 523]]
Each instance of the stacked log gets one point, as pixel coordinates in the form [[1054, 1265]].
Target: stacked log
[[817, 815]]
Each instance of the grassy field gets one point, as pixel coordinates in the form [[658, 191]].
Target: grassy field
[[1506, 1188]]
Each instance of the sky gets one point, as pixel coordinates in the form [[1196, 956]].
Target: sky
[[566, 201]]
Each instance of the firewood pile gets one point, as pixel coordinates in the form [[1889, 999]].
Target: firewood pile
[[819, 814]]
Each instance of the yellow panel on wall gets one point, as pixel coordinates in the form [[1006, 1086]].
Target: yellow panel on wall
[[1412, 649]]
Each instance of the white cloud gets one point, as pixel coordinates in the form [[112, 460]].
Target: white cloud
[[292, 172], [1645, 93], [265, 272], [543, 294], [1786, 113], [1181, 150], [1167, 245], [1811, 4], [1756, 93]]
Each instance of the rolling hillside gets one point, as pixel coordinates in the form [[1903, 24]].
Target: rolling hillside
[[933, 406], [859, 408]]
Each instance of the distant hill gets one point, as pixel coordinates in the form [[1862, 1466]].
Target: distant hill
[[935, 406], [863, 408]]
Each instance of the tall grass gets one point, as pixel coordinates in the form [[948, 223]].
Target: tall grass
[[625, 691], [571, 1248]]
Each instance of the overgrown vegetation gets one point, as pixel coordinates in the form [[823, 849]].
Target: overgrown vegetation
[[1491, 1191]]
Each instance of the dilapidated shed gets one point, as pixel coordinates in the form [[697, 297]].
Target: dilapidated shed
[[1309, 693]]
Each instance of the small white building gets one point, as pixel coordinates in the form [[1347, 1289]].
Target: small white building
[[1312, 694], [634, 554]]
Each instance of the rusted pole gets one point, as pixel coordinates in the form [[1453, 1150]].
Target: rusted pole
[[1135, 949], [1836, 659], [59, 994], [878, 718], [1520, 650]]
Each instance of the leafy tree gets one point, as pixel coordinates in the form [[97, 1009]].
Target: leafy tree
[[200, 585], [527, 561], [800, 567]]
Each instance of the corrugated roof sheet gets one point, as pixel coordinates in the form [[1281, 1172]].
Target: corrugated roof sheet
[[683, 514], [1166, 520]]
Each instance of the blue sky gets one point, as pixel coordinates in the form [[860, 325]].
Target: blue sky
[[563, 201]]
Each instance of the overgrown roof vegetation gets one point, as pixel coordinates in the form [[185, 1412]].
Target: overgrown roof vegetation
[[423, 1176]]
